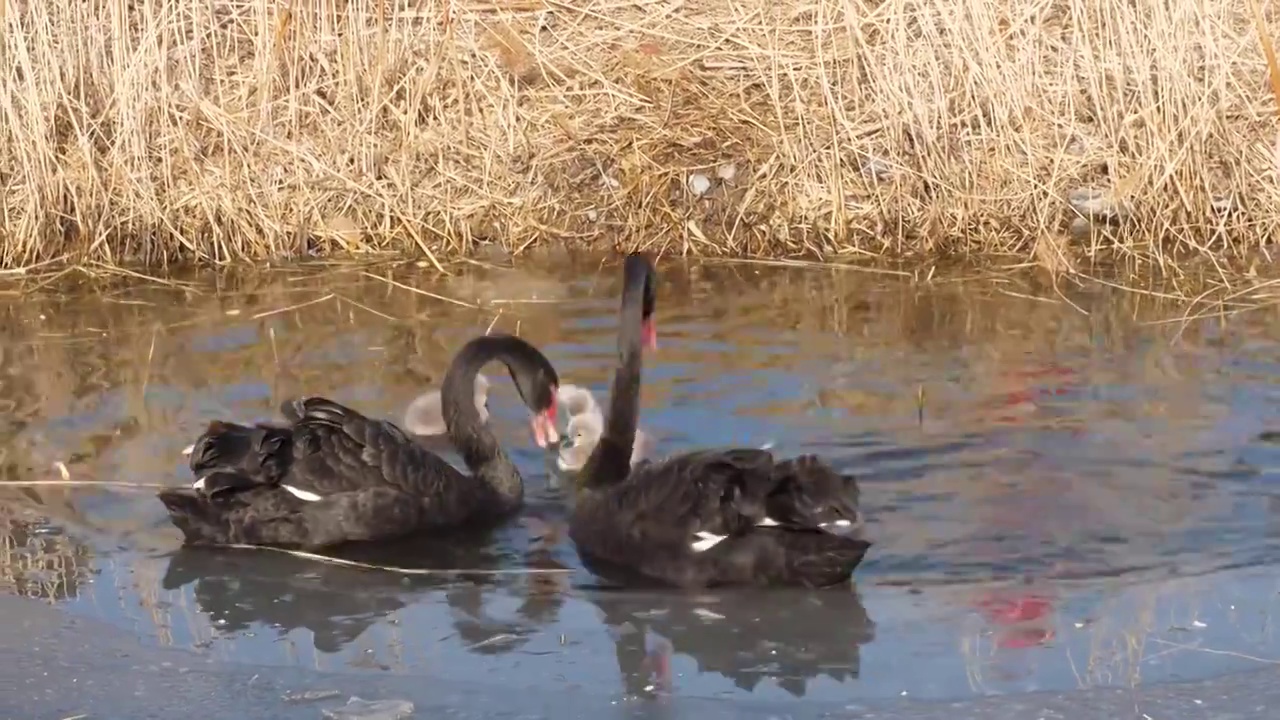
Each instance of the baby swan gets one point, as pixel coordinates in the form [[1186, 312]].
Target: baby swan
[[425, 415], [585, 426]]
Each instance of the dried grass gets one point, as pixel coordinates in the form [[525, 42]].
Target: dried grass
[[39, 564], [153, 132]]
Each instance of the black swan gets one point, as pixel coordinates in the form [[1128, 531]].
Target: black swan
[[334, 476], [711, 517], [584, 428]]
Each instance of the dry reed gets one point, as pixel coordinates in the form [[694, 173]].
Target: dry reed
[[147, 132]]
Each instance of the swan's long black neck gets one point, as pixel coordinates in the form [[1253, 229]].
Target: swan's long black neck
[[472, 438], [610, 461]]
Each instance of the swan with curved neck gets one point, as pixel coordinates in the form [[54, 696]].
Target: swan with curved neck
[[333, 475], [535, 380], [425, 415], [706, 518]]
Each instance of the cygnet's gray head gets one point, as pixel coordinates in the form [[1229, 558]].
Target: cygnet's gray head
[[425, 415], [576, 400], [583, 434], [580, 437]]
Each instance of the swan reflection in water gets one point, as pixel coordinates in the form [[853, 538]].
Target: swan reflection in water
[[238, 588], [784, 637], [787, 636]]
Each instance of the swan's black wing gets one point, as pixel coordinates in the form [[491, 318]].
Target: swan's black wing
[[272, 516], [337, 449], [725, 517], [715, 491], [665, 506], [335, 476]]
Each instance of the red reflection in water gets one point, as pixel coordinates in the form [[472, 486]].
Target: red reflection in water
[[1022, 620], [657, 666], [1022, 402]]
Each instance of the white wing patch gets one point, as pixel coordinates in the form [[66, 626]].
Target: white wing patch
[[837, 527], [198, 485], [706, 542], [301, 494], [768, 522]]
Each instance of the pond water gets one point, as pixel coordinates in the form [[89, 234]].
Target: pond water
[[1064, 490]]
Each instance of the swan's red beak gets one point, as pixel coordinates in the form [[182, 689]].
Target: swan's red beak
[[544, 428], [649, 334]]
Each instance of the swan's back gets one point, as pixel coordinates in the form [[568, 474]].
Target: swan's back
[[718, 517], [338, 449], [345, 477], [665, 502]]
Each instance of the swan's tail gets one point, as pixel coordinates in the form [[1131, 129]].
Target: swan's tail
[[824, 560], [808, 493], [261, 453], [201, 520]]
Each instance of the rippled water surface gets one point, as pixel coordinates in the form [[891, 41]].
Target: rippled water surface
[[1063, 491]]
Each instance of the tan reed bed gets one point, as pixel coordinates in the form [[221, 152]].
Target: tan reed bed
[[155, 132]]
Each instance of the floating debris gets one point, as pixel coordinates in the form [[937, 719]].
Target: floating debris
[[359, 709], [706, 614], [307, 696], [499, 639]]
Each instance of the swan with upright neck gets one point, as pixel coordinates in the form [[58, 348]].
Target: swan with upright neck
[[707, 518], [333, 475]]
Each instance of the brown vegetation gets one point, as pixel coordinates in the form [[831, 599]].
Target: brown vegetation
[[157, 132]]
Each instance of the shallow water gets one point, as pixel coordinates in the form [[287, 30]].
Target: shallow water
[[1061, 494]]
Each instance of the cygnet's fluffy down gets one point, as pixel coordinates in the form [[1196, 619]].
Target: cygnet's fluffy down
[[586, 425], [576, 400], [425, 415]]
